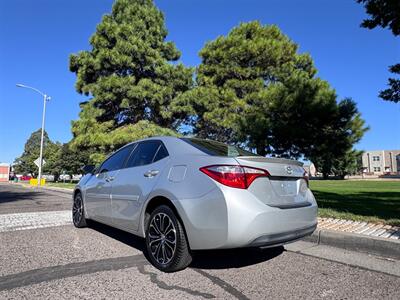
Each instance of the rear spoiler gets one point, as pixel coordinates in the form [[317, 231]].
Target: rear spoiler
[[272, 160]]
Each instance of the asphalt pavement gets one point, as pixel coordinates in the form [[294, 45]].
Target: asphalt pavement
[[17, 199], [44, 257]]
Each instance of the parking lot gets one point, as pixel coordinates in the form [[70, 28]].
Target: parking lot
[[44, 256]]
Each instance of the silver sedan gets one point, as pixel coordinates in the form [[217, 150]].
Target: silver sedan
[[184, 194]]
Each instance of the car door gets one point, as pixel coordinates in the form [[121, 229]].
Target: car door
[[135, 181], [98, 188]]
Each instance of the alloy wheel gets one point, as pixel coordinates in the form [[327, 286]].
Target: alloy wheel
[[77, 209], [162, 238]]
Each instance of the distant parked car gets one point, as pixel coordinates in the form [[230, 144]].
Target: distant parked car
[[184, 194], [49, 177], [25, 177], [76, 177], [64, 177]]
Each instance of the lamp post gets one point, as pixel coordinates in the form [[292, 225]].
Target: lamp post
[[45, 99]]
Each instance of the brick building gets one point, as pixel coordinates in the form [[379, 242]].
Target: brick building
[[4, 172], [381, 162]]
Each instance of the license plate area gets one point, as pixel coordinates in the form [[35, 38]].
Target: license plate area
[[285, 186]]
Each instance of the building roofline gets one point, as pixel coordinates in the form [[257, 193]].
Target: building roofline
[[391, 150]]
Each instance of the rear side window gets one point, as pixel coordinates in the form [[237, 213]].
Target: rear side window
[[216, 148], [116, 161], [161, 153], [146, 153]]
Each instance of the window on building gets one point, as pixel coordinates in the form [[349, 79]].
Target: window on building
[[375, 158], [377, 169]]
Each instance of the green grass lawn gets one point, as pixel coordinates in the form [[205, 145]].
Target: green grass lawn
[[364, 200], [61, 184]]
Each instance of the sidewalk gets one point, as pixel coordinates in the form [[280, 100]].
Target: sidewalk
[[359, 227]]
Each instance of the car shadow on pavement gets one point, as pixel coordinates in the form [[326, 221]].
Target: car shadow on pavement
[[11, 196], [233, 258], [205, 259], [119, 235]]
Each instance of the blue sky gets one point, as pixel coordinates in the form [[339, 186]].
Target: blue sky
[[37, 37]]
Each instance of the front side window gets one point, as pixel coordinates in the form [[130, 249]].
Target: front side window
[[216, 148], [375, 158], [116, 161], [146, 153]]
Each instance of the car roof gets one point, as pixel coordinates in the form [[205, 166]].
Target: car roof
[[175, 145]]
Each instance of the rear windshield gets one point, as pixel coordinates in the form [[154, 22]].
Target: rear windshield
[[216, 148]]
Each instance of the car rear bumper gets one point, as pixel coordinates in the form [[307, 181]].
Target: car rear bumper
[[252, 222], [277, 239], [272, 226], [233, 218]]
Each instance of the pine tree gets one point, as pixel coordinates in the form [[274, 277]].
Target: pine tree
[[132, 74]]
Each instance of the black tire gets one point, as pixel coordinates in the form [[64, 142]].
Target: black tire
[[165, 255], [78, 212]]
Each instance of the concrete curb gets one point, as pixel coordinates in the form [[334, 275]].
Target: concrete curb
[[372, 245]]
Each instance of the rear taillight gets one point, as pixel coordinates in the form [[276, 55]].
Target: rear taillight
[[234, 176]]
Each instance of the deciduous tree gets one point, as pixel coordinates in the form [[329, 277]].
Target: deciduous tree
[[25, 163]]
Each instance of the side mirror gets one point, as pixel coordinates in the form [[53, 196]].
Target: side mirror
[[88, 169]]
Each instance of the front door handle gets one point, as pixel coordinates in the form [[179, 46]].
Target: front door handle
[[110, 178], [151, 173]]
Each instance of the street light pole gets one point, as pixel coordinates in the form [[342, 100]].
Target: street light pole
[[41, 140], [45, 99]]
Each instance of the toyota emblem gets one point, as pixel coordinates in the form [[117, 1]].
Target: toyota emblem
[[289, 169]]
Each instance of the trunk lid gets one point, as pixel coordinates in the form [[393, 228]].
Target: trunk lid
[[286, 186]]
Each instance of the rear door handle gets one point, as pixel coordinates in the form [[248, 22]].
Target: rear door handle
[[151, 173]]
